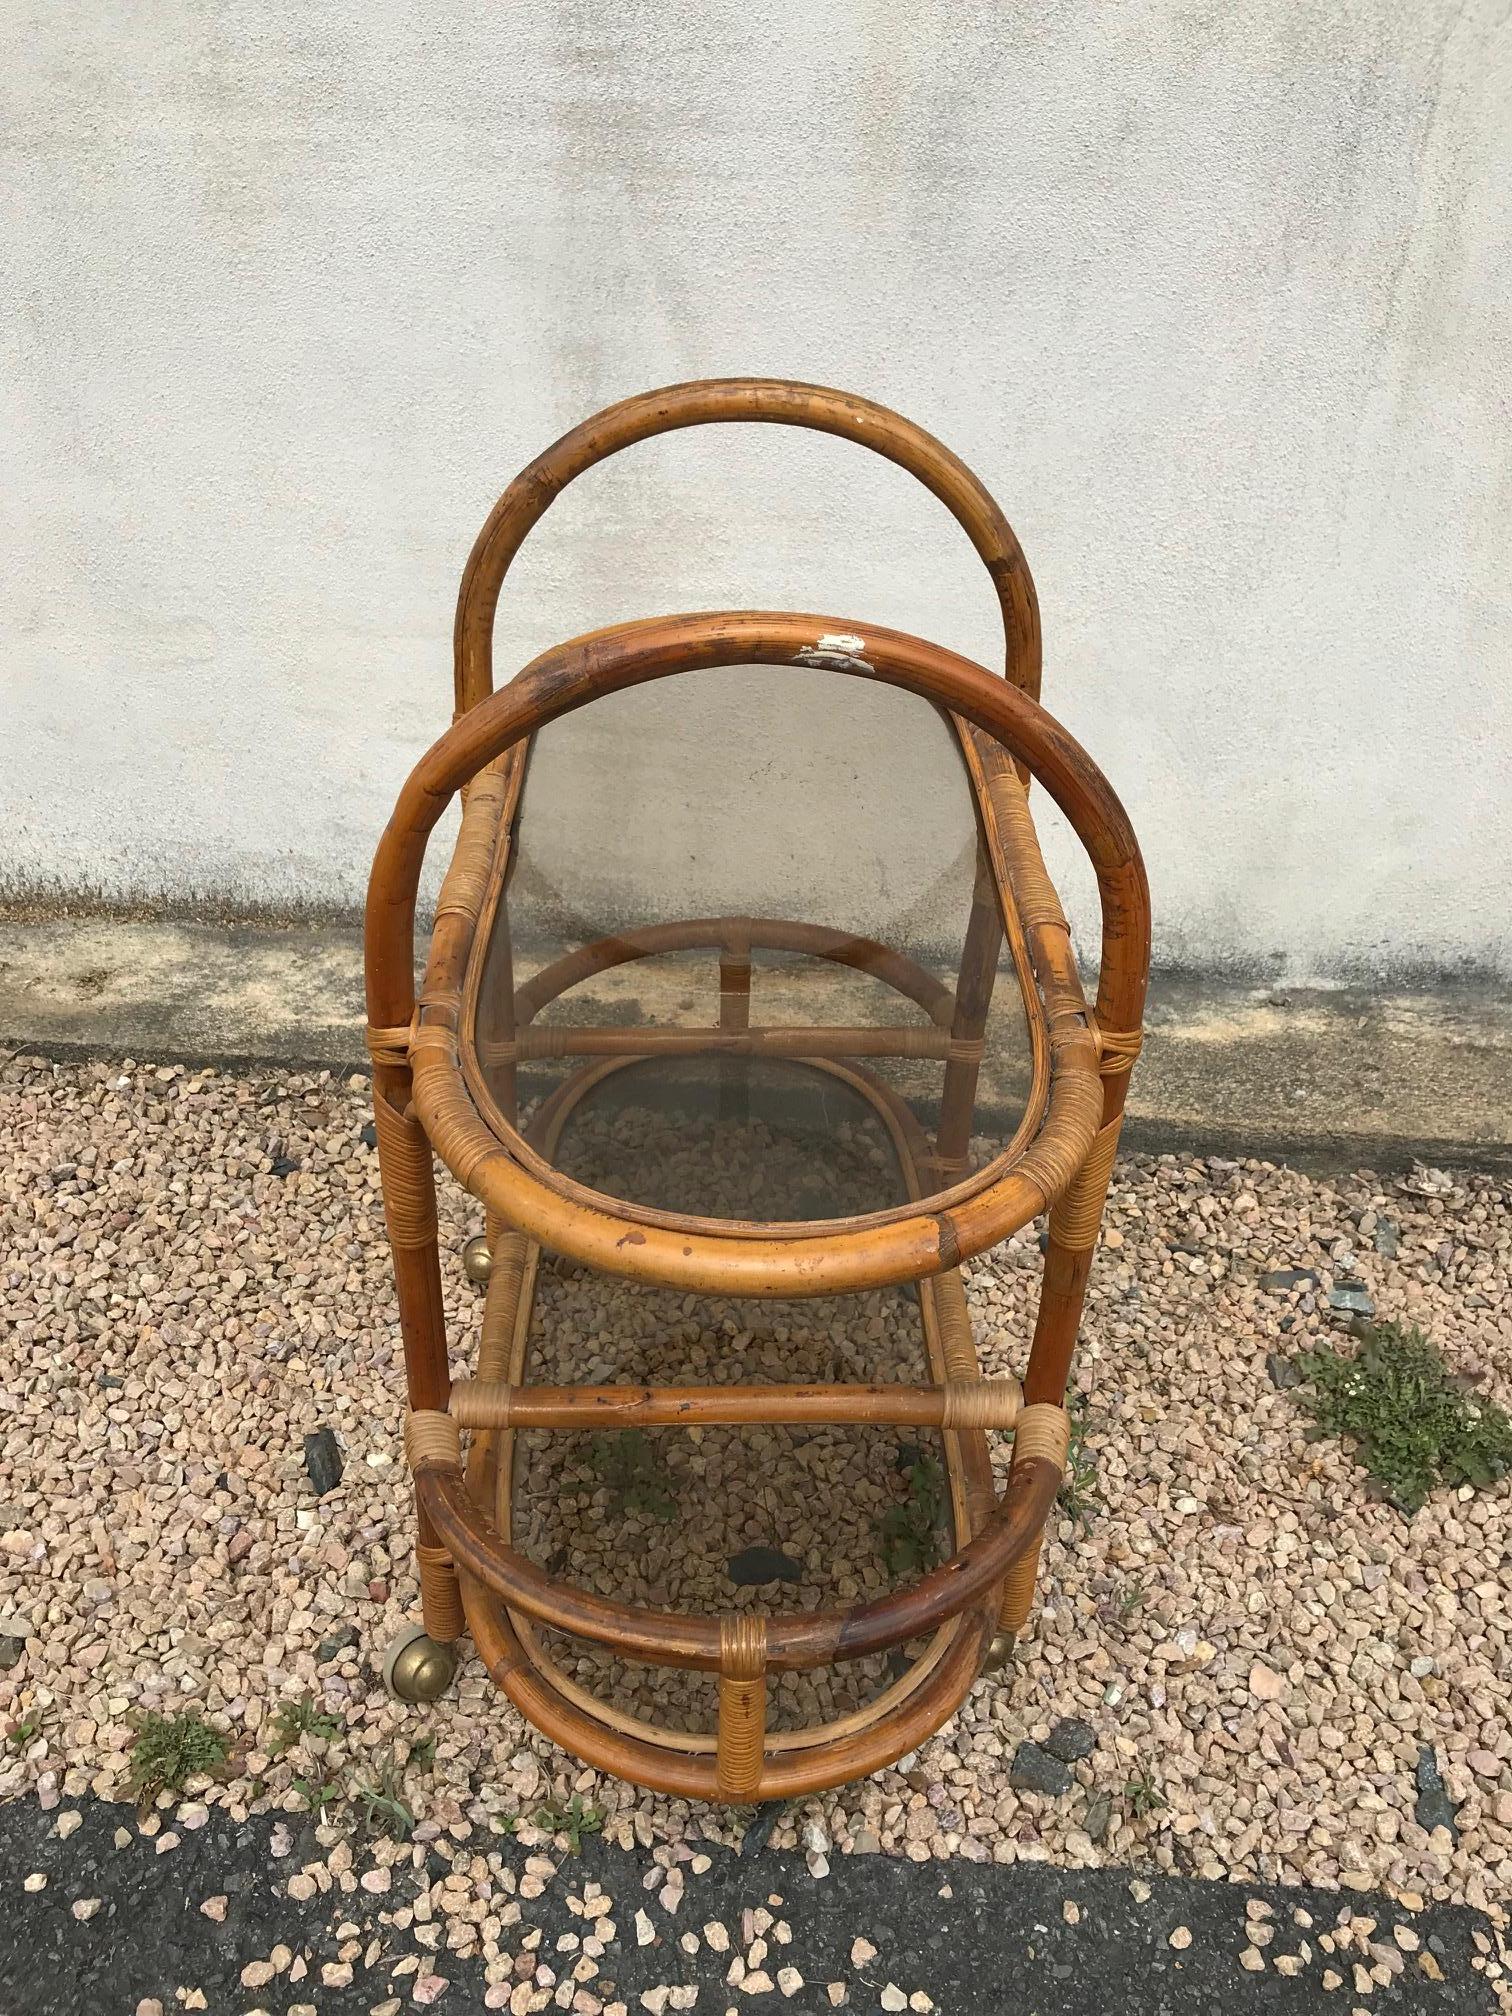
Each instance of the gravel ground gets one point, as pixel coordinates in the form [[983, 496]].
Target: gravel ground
[[233, 1920], [1244, 1667]]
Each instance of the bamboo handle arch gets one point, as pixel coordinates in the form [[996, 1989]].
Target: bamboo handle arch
[[773, 401]]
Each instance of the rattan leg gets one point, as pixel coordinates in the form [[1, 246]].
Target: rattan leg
[[1074, 1225], [409, 1204], [1043, 1431], [742, 1706], [440, 1594]]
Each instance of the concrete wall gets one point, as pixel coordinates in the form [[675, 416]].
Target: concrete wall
[[1216, 299]]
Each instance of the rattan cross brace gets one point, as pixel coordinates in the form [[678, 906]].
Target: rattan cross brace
[[959, 1403]]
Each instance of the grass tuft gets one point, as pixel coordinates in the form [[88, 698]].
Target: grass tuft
[[1078, 1496], [172, 1749], [295, 1720], [382, 1803], [575, 1819], [910, 1532], [1412, 1424]]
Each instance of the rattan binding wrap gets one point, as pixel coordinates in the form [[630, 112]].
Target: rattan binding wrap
[[482, 1403], [389, 1046], [432, 1437], [983, 1403], [1053, 1159], [957, 1344], [466, 880], [409, 1181], [1042, 1431], [440, 1593], [742, 1705], [1075, 1220], [457, 1134], [1034, 892], [509, 1250], [1117, 1050]]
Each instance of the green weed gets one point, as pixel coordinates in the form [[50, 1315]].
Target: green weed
[[1144, 1795], [910, 1532], [172, 1749], [316, 1793], [1130, 1598], [382, 1803], [1412, 1425], [297, 1719], [1078, 1497], [575, 1819]]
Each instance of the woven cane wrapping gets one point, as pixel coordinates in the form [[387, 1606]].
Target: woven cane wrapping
[[482, 1403], [1033, 892], [501, 1305], [389, 1046], [957, 1345], [1043, 1431], [742, 1705], [1117, 1050], [440, 1594], [1054, 1157], [982, 1403], [466, 880], [432, 1437], [409, 1186], [451, 1120], [964, 1050], [1076, 1218], [1018, 1589]]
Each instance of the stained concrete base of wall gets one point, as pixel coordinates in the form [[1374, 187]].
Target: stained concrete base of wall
[[1325, 1079]]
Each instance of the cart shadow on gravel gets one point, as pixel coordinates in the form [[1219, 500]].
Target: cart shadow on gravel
[[965, 1939]]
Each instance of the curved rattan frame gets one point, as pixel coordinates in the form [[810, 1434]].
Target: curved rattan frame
[[721, 1259], [430, 1097], [715, 401], [526, 1667]]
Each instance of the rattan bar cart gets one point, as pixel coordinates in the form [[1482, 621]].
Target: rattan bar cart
[[561, 1003]]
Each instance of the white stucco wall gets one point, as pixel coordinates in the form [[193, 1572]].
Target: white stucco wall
[[1216, 299]]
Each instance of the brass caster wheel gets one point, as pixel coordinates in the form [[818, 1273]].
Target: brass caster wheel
[[1000, 1651], [477, 1260], [416, 1667]]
